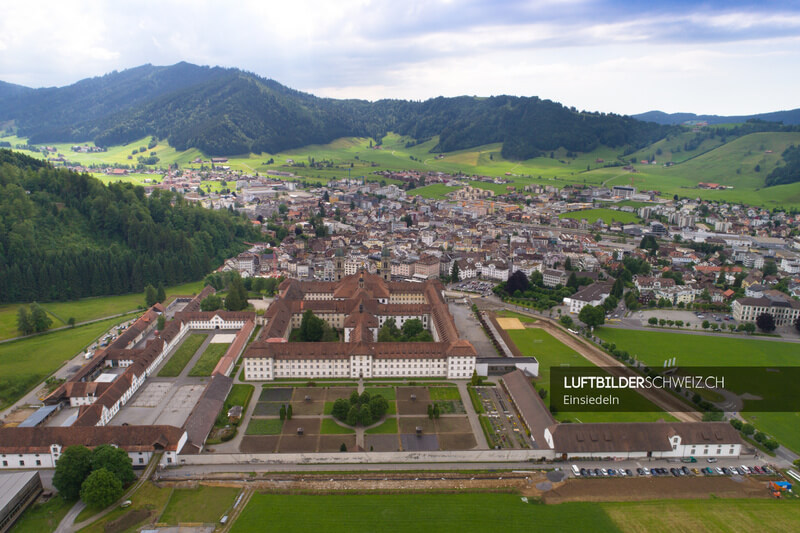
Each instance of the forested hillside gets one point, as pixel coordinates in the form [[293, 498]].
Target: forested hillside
[[228, 111], [65, 235]]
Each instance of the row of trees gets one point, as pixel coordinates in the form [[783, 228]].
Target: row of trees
[[33, 320], [96, 476]]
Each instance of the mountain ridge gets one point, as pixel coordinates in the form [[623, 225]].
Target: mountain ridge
[[789, 117]]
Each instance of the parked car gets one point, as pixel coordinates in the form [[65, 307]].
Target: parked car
[[711, 460], [646, 471], [628, 472], [640, 471], [726, 471], [757, 470], [734, 470], [744, 469], [719, 471], [604, 472], [685, 471], [674, 471]]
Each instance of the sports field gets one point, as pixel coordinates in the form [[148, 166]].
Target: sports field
[[552, 353], [437, 191], [653, 347], [459, 513]]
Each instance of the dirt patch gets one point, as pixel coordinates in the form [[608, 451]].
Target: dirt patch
[[18, 416], [333, 443], [410, 424], [453, 424], [310, 426], [457, 441], [307, 408], [314, 394], [334, 393], [641, 488], [258, 444], [275, 395], [382, 443], [298, 444], [510, 323]]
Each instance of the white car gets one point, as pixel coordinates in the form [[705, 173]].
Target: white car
[[646, 471], [604, 472], [744, 469]]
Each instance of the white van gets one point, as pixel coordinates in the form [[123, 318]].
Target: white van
[[576, 470]]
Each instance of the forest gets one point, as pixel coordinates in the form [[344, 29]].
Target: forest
[[65, 235], [229, 111]]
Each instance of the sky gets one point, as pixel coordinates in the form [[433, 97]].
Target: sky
[[717, 57]]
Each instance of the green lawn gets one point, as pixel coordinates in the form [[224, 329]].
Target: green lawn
[[88, 308], [43, 517], [552, 353], [264, 426], [441, 513], [211, 356], [329, 427], [436, 191], [607, 215], [444, 393], [387, 392], [459, 513], [182, 355], [148, 497], [203, 504], [389, 426], [653, 347], [27, 362]]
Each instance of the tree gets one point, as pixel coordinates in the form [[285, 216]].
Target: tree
[[161, 294], [115, 460], [311, 327], [572, 281], [237, 295], [389, 331], [770, 268], [39, 318], [430, 411], [454, 273], [150, 295], [282, 412], [161, 322], [101, 489], [343, 447], [749, 327], [568, 264], [765, 322], [211, 303], [72, 468], [618, 288], [592, 316], [476, 380], [649, 243], [652, 320], [436, 410], [706, 324], [518, 281], [289, 412], [566, 321], [24, 323], [748, 429], [71, 321], [411, 328]]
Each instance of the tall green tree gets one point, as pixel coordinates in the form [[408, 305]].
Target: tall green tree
[[454, 273], [72, 468], [161, 294], [39, 318], [115, 460], [24, 322], [150, 296], [592, 316], [101, 489]]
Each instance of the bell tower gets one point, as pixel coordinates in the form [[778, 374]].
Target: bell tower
[[386, 267], [338, 264]]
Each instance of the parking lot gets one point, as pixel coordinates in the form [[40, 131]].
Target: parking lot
[[473, 285], [692, 318]]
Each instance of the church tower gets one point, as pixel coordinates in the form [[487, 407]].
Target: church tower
[[338, 264], [386, 267]]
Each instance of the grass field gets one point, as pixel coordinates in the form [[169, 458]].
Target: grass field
[[182, 355], [203, 504], [607, 215], [264, 426], [388, 426], [457, 513], [437, 191], [148, 498], [511, 314], [43, 517], [329, 427], [444, 393], [26, 362], [552, 353], [88, 308], [387, 392], [211, 356], [653, 347]]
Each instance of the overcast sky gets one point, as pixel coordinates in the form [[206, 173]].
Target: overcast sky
[[721, 57]]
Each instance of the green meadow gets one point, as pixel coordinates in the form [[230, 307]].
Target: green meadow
[[606, 215], [550, 352]]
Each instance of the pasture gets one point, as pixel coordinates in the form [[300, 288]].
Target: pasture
[[88, 308], [550, 352], [607, 215], [26, 362], [397, 513]]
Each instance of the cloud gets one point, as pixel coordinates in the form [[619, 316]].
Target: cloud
[[594, 54]]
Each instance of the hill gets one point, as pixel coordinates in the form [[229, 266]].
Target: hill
[[659, 117], [65, 235], [229, 111]]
